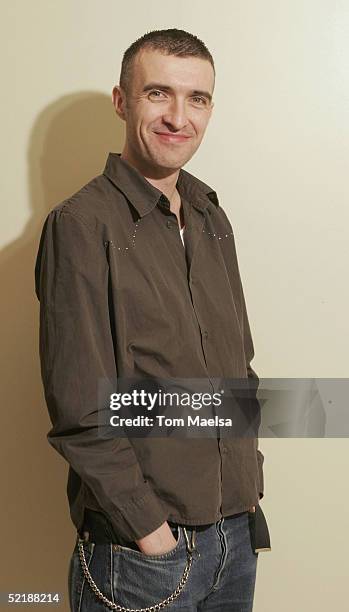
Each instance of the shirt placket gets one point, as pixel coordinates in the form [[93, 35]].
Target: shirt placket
[[195, 219]]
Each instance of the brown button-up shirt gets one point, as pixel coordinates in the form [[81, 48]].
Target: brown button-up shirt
[[121, 297]]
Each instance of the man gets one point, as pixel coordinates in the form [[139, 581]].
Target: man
[[137, 276]]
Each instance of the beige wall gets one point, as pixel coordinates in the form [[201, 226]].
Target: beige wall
[[276, 151]]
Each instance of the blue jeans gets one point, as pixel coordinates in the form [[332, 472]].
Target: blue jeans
[[221, 575]]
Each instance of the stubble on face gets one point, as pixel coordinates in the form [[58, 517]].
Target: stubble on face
[[154, 116]]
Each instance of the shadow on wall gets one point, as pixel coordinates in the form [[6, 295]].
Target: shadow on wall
[[69, 144]]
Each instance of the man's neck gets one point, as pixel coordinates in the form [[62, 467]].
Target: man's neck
[[177, 208], [166, 183]]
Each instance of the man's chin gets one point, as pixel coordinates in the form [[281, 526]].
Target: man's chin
[[170, 161]]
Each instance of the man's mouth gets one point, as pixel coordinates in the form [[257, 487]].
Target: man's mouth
[[168, 137]]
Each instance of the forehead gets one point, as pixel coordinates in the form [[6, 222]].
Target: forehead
[[177, 72]]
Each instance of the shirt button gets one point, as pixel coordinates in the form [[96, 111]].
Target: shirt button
[[205, 334], [169, 223], [224, 450]]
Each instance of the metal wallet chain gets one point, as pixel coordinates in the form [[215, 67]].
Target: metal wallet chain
[[159, 606]]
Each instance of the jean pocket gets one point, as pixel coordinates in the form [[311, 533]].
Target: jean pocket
[[162, 556], [76, 577], [150, 581]]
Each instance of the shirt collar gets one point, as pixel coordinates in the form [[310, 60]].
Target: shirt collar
[[144, 196]]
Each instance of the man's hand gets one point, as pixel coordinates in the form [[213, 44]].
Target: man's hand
[[162, 539], [158, 542]]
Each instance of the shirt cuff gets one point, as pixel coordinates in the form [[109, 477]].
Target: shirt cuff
[[140, 516]]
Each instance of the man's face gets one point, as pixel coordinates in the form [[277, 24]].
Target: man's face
[[167, 108]]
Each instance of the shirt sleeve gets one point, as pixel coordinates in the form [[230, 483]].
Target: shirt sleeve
[[77, 349], [249, 354], [253, 381]]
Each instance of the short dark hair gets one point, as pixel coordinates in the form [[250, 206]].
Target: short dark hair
[[170, 42]]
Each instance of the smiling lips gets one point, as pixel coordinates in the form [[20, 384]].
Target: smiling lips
[[168, 137]]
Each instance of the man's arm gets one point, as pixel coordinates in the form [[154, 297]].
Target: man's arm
[[248, 343], [76, 351], [254, 379]]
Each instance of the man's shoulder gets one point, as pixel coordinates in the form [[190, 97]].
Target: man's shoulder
[[92, 203]]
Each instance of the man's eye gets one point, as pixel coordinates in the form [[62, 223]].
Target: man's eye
[[199, 99], [156, 93]]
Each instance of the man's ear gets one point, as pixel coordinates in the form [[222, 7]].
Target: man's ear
[[119, 101]]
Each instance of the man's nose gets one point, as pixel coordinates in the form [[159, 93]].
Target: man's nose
[[176, 116]]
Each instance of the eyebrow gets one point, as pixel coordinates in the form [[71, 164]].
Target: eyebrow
[[194, 92]]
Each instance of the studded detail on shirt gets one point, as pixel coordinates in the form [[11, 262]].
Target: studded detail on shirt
[[219, 236], [132, 244]]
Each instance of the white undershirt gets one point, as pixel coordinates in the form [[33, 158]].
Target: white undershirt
[[181, 233]]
